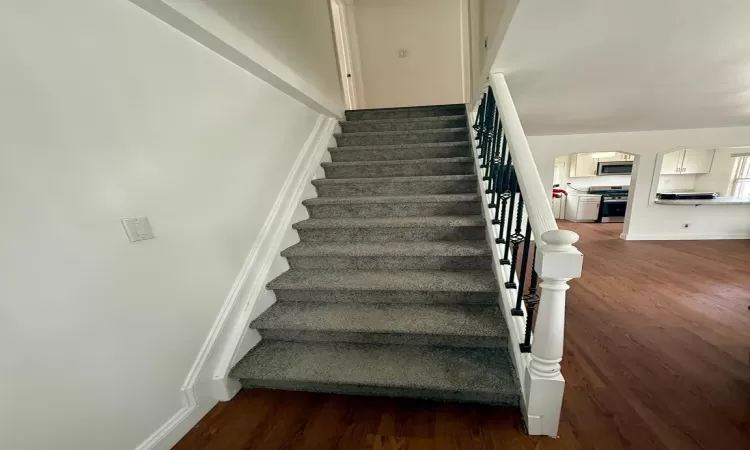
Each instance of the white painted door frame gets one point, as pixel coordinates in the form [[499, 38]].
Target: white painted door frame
[[347, 52], [466, 62]]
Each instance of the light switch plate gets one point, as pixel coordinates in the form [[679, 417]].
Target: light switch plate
[[137, 228]]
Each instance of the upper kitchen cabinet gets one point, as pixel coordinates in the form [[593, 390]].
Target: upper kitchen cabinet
[[582, 165], [585, 164], [687, 162], [698, 161]]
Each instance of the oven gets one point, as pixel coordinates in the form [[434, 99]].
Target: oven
[[614, 168], [613, 204], [612, 209]]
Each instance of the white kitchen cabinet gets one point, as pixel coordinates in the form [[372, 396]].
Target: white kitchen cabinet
[[558, 207], [697, 161], [672, 163], [582, 208], [687, 162], [582, 165]]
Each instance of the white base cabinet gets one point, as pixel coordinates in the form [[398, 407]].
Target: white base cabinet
[[582, 208]]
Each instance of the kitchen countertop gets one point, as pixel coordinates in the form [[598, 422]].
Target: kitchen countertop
[[714, 201]]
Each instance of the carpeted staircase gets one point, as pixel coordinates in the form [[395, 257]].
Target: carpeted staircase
[[390, 291]]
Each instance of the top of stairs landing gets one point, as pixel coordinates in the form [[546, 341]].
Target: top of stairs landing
[[406, 112]]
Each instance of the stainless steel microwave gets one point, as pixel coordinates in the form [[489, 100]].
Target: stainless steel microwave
[[614, 168]]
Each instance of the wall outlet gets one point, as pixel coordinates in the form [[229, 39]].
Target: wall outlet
[[685, 225], [137, 228]]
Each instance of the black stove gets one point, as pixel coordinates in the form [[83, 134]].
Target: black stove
[[613, 204]]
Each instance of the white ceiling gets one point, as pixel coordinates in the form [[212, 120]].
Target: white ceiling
[[592, 66]]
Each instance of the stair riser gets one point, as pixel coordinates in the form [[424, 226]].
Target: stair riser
[[390, 262], [364, 296], [402, 138], [394, 210], [359, 127], [399, 154], [391, 234], [405, 113], [410, 188], [400, 170], [381, 391], [384, 338]]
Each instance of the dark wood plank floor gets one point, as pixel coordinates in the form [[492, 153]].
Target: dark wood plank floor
[[657, 356]]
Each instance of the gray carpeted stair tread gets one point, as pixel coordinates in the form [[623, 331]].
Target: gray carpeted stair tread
[[356, 148], [402, 136], [435, 178], [440, 198], [449, 373], [392, 222], [400, 132], [387, 280], [405, 112], [417, 248], [399, 168], [452, 320], [400, 162], [400, 152], [409, 123], [408, 119]]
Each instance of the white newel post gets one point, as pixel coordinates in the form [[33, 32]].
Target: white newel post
[[557, 262]]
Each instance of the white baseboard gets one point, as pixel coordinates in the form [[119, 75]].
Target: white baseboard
[[230, 337], [683, 236], [176, 427]]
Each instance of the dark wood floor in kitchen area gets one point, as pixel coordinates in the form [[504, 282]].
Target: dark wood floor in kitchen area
[[657, 356]]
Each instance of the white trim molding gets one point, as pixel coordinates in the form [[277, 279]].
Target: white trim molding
[[465, 30], [230, 337]]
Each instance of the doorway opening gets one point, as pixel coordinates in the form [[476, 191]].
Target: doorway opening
[[401, 53], [596, 187]]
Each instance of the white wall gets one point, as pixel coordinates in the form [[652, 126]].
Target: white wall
[[719, 178], [430, 32], [292, 38], [676, 183], [109, 113], [647, 219], [489, 22]]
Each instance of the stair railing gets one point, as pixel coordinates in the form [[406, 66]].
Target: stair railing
[[519, 214]]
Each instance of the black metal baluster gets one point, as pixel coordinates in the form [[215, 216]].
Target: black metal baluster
[[509, 218], [499, 185], [517, 311], [480, 115], [532, 300], [486, 123], [495, 152], [488, 136], [492, 152], [516, 238]]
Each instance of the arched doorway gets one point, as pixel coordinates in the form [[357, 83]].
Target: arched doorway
[[597, 185]]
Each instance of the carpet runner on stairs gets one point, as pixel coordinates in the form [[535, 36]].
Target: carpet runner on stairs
[[390, 290]]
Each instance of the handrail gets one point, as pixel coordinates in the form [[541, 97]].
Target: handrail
[[517, 207], [536, 196]]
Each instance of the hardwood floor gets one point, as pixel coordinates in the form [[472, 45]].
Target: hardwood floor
[[657, 356]]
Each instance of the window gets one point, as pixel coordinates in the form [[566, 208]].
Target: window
[[741, 177]]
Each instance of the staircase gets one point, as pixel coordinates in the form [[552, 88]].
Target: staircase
[[390, 290]]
